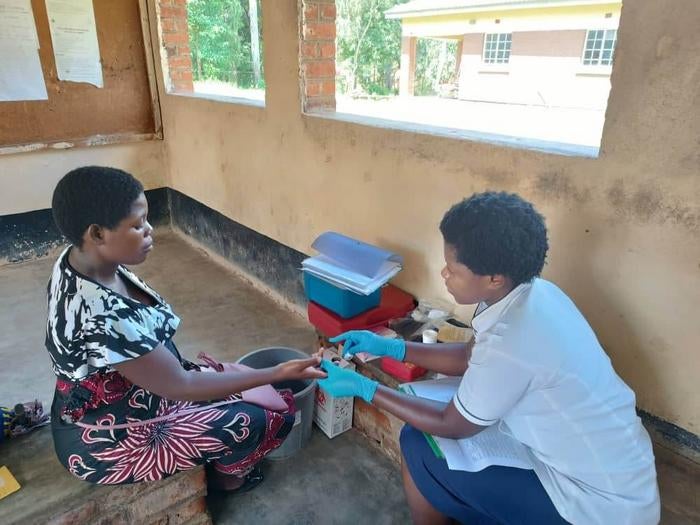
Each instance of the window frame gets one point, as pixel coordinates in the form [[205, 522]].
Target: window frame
[[496, 48], [599, 61]]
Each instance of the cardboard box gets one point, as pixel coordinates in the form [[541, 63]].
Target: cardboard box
[[333, 415]]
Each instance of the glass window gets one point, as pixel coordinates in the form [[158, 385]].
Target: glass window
[[600, 47], [497, 48]]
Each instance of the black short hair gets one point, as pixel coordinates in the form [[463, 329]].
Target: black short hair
[[93, 195], [497, 233]]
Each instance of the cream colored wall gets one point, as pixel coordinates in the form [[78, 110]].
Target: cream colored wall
[[624, 228], [28, 179]]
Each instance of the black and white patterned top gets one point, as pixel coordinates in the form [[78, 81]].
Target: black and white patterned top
[[90, 327]]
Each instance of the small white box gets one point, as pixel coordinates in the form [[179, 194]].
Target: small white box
[[333, 415]]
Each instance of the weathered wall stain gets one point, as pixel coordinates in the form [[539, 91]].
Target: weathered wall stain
[[649, 203], [558, 186]]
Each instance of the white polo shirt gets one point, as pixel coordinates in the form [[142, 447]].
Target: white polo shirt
[[538, 370]]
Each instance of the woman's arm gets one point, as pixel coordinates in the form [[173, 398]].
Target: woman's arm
[[160, 372], [439, 419], [433, 417], [451, 359]]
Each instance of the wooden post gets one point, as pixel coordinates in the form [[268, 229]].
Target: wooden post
[[407, 78]]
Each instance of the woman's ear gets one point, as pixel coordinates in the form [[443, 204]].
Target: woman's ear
[[498, 281], [95, 234]]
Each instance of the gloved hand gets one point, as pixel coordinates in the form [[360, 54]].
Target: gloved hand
[[366, 341], [345, 383]]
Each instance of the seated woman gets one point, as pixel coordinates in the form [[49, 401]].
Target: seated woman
[[535, 369], [127, 406]]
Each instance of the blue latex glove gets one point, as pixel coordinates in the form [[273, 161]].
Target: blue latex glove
[[366, 341], [346, 383]]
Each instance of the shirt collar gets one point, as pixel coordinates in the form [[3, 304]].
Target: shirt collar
[[487, 316]]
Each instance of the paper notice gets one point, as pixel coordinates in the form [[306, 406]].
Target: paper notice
[[21, 77], [74, 37]]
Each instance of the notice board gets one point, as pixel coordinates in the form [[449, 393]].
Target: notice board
[[126, 109]]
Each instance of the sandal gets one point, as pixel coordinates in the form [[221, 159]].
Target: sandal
[[250, 481]]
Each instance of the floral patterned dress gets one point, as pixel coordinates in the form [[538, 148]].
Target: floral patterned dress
[[92, 328]]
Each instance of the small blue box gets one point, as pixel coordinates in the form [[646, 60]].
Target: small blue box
[[343, 302]]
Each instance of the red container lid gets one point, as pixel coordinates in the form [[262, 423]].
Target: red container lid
[[394, 303], [401, 370]]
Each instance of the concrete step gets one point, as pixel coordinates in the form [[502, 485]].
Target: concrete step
[[50, 494]]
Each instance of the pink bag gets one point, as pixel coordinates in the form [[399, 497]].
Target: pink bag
[[264, 396]]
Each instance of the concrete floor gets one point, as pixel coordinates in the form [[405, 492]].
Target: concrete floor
[[330, 482], [344, 480]]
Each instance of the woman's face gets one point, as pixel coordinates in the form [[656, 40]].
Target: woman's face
[[130, 242], [464, 285]]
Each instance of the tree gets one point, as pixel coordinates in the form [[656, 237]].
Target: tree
[[369, 51], [254, 40], [221, 41], [435, 65], [368, 45]]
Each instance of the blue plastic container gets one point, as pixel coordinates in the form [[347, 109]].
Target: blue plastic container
[[342, 302]]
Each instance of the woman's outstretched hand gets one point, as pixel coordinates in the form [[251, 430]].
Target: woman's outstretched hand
[[300, 369]]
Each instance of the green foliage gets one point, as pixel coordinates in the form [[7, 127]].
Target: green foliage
[[435, 65], [369, 47], [369, 52], [220, 41]]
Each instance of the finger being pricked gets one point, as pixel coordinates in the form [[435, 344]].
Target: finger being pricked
[[311, 366], [312, 361], [314, 373]]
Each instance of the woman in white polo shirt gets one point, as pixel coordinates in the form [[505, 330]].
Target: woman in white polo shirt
[[535, 369]]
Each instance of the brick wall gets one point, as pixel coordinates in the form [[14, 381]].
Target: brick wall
[[176, 500], [317, 54], [177, 61], [378, 425]]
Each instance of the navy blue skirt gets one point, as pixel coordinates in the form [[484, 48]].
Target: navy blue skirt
[[502, 495]]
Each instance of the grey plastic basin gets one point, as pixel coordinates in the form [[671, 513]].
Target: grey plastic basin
[[304, 395]]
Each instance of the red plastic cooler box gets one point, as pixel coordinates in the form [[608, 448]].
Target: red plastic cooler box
[[394, 303]]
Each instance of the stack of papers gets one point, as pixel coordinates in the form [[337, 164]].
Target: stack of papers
[[485, 449], [350, 264]]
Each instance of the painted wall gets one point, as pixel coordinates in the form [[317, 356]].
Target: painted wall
[[624, 228], [545, 69], [28, 179]]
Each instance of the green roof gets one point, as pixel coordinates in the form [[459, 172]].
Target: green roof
[[438, 7]]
